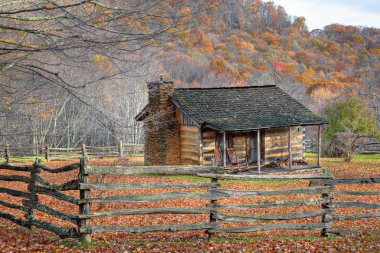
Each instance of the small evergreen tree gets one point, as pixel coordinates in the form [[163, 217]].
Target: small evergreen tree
[[349, 120]]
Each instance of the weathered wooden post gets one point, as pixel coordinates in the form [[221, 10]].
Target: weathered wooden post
[[258, 152], [84, 207], [33, 195], [319, 145], [224, 150], [84, 151], [47, 155], [7, 154], [327, 204], [213, 205], [290, 148], [121, 149]]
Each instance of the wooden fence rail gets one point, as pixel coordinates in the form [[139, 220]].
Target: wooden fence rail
[[221, 215], [50, 153]]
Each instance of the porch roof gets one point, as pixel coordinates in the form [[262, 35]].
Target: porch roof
[[243, 108]]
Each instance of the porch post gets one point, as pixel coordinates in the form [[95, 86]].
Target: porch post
[[258, 152], [224, 150], [290, 149], [319, 145]]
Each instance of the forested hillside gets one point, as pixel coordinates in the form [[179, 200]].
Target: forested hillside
[[68, 80], [256, 42]]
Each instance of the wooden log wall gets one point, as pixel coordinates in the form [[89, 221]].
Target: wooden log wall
[[240, 143], [209, 138], [190, 145], [276, 143]]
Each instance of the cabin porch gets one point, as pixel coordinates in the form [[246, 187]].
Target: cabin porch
[[262, 150]]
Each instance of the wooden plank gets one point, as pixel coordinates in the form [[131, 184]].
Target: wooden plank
[[369, 180], [55, 194], [284, 150], [310, 202], [294, 146], [189, 136], [304, 190], [136, 198], [357, 192], [59, 170], [5, 166], [185, 151], [287, 226], [13, 206], [285, 133], [284, 144], [282, 139], [14, 219], [123, 212], [191, 145], [132, 170], [355, 216], [125, 186], [190, 156], [284, 153], [63, 232], [352, 204], [15, 178], [71, 185], [210, 149], [162, 228], [51, 211], [15, 193], [261, 177], [252, 217], [193, 129], [208, 134], [273, 159]]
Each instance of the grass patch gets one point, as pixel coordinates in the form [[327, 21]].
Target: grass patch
[[358, 158], [82, 245], [24, 159], [223, 181]]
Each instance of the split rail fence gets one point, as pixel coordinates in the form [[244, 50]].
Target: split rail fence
[[49, 153], [221, 215]]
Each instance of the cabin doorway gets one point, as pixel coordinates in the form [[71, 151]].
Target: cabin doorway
[[245, 145]]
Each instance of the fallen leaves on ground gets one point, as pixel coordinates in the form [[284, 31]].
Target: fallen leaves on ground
[[14, 238]]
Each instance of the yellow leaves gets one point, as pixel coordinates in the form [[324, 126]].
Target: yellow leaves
[[185, 11], [375, 51], [8, 41], [31, 100], [269, 38], [103, 61]]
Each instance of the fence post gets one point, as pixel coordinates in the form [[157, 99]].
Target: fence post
[[213, 213], [84, 208], [7, 154], [47, 155], [327, 205], [121, 148], [84, 151], [33, 195]]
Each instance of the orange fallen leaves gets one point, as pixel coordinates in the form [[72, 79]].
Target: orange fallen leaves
[[18, 239]]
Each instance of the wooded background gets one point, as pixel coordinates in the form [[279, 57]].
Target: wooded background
[[75, 71]]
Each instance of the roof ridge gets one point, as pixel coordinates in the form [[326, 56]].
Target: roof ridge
[[229, 87]]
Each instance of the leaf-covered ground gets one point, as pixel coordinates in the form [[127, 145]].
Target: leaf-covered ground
[[14, 238]]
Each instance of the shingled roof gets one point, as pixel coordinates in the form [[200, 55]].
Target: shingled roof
[[243, 108]]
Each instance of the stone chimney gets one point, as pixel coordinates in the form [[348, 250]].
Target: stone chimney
[[162, 141], [160, 92]]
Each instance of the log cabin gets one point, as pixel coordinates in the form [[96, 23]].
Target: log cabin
[[261, 124]]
